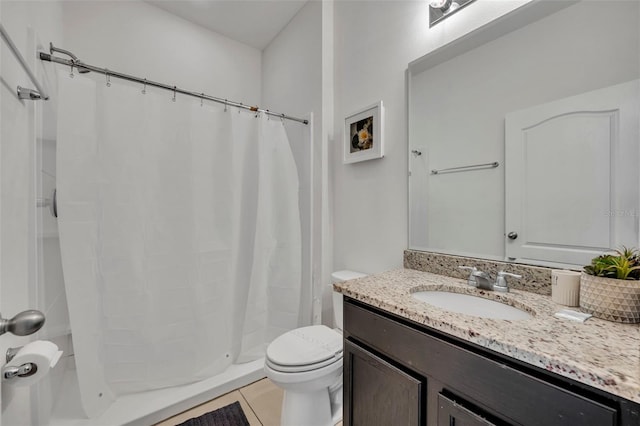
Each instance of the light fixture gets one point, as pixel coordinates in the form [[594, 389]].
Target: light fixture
[[440, 9]]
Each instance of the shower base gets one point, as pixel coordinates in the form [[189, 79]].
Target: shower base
[[147, 408]]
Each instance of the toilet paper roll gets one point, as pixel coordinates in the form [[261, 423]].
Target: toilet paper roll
[[565, 287], [43, 354]]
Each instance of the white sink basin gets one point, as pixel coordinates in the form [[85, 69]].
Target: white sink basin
[[471, 305]]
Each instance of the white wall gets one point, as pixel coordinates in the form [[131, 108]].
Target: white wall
[[142, 40], [292, 84], [21, 287], [374, 42]]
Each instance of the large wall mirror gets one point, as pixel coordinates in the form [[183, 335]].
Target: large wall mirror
[[524, 136]]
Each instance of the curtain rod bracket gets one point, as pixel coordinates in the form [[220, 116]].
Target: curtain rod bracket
[[41, 93], [30, 94]]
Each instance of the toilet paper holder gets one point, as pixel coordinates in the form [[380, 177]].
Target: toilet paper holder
[[23, 324], [24, 370], [11, 353]]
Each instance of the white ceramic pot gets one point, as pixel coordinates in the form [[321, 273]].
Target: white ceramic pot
[[610, 299]]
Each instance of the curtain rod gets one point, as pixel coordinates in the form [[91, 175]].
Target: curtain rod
[[85, 68], [24, 93]]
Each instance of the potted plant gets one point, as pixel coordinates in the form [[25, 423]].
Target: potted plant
[[610, 286]]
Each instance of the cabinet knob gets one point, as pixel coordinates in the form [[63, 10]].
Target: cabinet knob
[[512, 235]]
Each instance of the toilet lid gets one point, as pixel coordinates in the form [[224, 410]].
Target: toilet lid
[[304, 346], [304, 368]]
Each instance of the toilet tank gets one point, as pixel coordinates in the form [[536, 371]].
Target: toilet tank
[[338, 277]]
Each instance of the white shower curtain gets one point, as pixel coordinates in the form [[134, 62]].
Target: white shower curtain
[[180, 236]]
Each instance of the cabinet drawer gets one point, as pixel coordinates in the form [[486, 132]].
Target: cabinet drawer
[[510, 394]]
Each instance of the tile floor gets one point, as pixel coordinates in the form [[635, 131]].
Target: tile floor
[[261, 402]]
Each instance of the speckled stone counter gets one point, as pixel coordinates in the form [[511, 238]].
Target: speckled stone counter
[[536, 279], [599, 353]]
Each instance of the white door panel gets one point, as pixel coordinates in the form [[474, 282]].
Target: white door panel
[[572, 176]]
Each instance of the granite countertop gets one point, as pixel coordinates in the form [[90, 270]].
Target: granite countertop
[[602, 354]]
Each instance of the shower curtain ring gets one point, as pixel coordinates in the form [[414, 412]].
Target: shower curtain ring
[[71, 73], [240, 107], [268, 115], [174, 94], [108, 77], [225, 105], [202, 99], [144, 87]]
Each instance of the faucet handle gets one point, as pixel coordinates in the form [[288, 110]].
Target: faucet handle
[[501, 281], [471, 280], [479, 273], [508, 274]]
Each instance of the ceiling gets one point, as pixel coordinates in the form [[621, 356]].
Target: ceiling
[[252, 22]]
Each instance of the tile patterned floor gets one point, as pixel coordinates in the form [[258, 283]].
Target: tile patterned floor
[[261, 402]]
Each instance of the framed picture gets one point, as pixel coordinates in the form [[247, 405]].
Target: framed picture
[[363, 134]]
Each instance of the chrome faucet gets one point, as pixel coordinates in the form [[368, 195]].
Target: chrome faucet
[[484, 281]]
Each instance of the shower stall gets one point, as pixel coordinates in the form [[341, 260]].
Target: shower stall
[[180, 235], [170, 239]]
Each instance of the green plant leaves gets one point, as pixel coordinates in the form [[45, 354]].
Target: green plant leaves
[[624, 265]]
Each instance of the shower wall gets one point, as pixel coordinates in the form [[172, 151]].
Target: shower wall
[[23, 139], [142, 40]]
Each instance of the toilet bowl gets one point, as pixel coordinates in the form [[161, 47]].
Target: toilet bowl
[[307, 364]]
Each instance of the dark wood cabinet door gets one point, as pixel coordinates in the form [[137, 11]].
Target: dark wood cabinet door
[[377, 393], [452, 414]]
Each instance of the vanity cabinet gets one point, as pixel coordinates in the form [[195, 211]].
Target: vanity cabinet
[[381, 393], [452, 414], [397, 372]]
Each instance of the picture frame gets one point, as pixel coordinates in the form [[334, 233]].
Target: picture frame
[[364, 134]]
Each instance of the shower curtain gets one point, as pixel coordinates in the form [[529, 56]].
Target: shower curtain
[[180, 236]]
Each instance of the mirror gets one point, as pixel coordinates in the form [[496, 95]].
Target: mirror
[[462, 97]]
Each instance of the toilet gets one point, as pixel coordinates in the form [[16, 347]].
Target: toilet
[[307, 364]]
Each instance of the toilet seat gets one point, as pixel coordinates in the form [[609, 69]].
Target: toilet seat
[[302, 368], [305, 349]]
